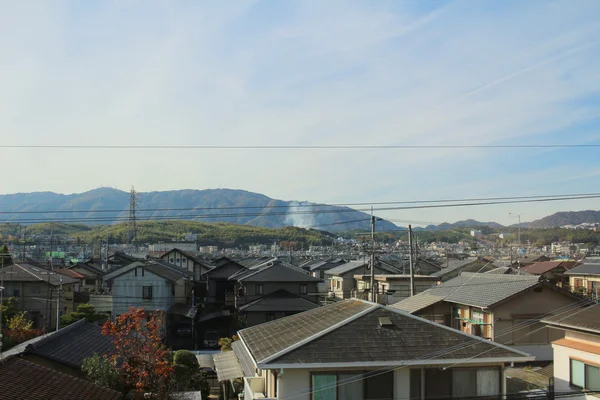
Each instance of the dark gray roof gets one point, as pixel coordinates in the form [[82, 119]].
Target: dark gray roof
[[280, 300], [587, 319], [29, 273], [276, 271], [479, 290], [505, 271], [408, 338], [243, 357], [69, 345], [586, 269], [167, 270], [356, 264], [458, 265], [272, 337]]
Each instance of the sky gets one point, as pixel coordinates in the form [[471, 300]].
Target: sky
[[306, 73]]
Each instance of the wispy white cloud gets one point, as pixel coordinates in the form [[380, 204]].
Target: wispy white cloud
[[329, 72]]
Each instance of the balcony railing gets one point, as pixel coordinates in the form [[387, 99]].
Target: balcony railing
[[254, 388]]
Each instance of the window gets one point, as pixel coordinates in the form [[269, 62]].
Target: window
[[584, 375], [578, 282], [142, 271], [171, 260], [135, 269], [172, 289], [303, 289], [35, 288], [270, 317], [461, 382], [16, 292], [147, 292], [352, 386], [90, 282], [177, 261], [259, 289], [338, 284]]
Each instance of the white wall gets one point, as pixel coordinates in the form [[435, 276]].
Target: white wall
[[562, 368], [127, 292]]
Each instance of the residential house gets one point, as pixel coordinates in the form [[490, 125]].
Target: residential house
[[355, 350], [342, 284], [24, 380], [528, 260], [453, 268], [585, 279], [220, 290], [65, 349], [154, 285], [183, 259], [392, 288], [493, 306], [506, 271], [37, 292], [317, 268], [577, 355], [92, 273], [273, 290], [553, 271]]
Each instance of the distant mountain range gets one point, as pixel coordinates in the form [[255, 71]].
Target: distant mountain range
[[106, 206], [564, 218], [468, 223]]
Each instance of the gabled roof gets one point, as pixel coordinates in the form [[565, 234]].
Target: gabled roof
[[506, 271], [276, 271], [70, 273], [279, 301], [90, 269], [377, 336], [158, 267], [219, 270], [458, 265], [69, 345], [189, 256], [543, 267], [356, 264], [29, 273], [586, 319], [24, 380], [586, 268], [473, 289]]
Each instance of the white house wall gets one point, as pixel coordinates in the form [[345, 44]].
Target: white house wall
[[127, 291]]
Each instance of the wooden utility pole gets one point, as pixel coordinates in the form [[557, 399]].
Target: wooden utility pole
[[411, 262]]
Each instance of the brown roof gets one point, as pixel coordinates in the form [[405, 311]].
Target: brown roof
[[23, 380], [540, 268], [71, 273], [587, 319]]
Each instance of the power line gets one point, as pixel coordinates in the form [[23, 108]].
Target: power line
[[306, 147]]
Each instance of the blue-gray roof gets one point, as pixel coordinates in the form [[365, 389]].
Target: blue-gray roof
[[587, 268]]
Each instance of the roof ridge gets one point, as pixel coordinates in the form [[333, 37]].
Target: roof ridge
[[20, 265], [321, 333]]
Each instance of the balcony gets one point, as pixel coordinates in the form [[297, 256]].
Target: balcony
[[254, 388]]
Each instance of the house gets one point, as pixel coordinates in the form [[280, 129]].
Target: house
[[585, 279], [342, 284], [36, 290], [392, 288], [577, 355], [553, 271], [355, 349], [506, 271], [183, 259], [273, 290], [65, 349], [452, 268], [92, 274], [528, 260], [493, 306], [154, 285], [220, 290], [24, 380], [317, 268]]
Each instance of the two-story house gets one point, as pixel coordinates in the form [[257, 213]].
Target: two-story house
[[153, 285], [577, 355], [585, 279], [357, 350], [273, 290], [503, 308], [92, 273], [342, 284], [183, 259], [37, 291], [391, 288], [220, 289], [452, 268], [552, 271]]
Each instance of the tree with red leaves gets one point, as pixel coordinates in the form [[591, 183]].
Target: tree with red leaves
[[139, 353]]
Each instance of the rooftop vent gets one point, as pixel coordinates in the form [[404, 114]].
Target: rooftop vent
[[385, 321]]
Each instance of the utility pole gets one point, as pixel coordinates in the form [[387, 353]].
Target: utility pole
[[106, 253], [411, 262], [24, 241], [373, 295], [132, 216], [58, 304], [51, 263]]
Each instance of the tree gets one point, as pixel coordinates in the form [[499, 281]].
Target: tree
[[9, 308], [5, 258], [188, 375], [18, 330], [86, 311], [101, 371], [139, 353], [226, 342]]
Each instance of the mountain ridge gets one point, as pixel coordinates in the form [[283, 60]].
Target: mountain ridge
[[108, 205]]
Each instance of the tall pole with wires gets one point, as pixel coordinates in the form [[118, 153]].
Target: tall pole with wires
[[373, 295], [411, 262], [132, 217]]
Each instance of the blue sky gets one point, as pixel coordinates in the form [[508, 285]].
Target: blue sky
[[306, 73]]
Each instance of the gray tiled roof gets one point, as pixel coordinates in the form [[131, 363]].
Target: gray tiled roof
[[275, 272], [243, 357], [505, 271], [456, 265], [280, 300], [30, 273], [479, 290], [272, 337], [356, 264], [587, 319], [408, 338], [167, 271], [586, 269]]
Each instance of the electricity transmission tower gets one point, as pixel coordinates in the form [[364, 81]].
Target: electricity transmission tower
[[133, 200]]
